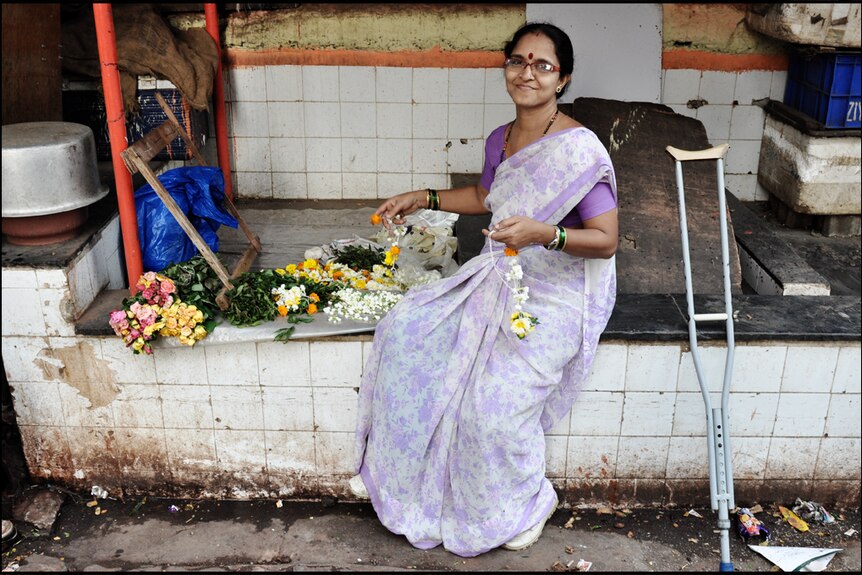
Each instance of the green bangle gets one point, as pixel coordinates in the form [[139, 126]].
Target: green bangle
[[561, 245], [433, 200]]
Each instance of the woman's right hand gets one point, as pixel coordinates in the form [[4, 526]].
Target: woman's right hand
[[393, 210]]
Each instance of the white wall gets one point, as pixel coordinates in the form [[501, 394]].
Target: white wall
[[617, 48]]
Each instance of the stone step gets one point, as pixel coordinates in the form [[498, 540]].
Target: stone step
[[769, 264]]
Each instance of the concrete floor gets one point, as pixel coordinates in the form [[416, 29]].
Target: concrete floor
[[331, 535]]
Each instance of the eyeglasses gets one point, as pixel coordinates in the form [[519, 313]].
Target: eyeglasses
[[518, 64]]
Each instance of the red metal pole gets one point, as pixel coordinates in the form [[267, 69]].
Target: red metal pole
[[107, 41], [220, 120]]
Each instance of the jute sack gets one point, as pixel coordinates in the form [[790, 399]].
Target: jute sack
[[146, 45]]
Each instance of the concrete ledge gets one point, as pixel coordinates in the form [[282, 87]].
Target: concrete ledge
[[636, 317]]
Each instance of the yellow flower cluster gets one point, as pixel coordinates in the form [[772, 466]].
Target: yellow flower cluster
[[380, 277], [392, 255], [184, 322], [522, 324]]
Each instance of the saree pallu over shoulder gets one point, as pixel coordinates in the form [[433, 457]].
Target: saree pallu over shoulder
[[452, 405], [560, 170]]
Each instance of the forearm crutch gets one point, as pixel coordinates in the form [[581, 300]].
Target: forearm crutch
[[718, 431]]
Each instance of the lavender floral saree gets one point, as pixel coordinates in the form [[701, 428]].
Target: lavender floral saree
[[453, 406]]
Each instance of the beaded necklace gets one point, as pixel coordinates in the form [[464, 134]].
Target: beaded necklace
[[509, 132]]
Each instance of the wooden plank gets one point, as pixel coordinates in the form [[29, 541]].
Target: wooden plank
[[190, 145], [243, 265], [32, 75], [137, 157], [151, 144]]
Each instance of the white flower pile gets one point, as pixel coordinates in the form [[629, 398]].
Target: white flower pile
[[360, 305], [289, 298]]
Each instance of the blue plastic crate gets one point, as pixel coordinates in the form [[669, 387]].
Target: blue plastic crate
[[827, 88]]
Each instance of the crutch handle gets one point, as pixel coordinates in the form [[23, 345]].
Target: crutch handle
[[709, 316], [709, 154]]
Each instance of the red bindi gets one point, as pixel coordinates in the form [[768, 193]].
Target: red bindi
[[530, 56]]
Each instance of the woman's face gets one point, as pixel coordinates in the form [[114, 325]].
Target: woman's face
[[530, 87]]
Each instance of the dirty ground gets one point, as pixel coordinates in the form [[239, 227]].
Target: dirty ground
[[146, 534]]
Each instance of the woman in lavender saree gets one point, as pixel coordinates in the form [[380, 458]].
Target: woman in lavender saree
[[454, 403]]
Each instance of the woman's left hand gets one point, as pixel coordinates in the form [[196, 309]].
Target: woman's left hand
[[520, 231]]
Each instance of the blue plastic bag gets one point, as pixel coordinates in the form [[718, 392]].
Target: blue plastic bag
[[199, 192]]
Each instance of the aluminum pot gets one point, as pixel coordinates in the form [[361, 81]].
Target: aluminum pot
[[49, 168]]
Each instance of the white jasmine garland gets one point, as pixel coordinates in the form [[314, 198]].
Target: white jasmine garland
[[360, 305], [521, 323]]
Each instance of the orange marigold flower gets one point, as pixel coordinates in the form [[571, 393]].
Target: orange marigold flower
[[282, 310], [395, 250], [311, 309], [510, 252], [376, 219]]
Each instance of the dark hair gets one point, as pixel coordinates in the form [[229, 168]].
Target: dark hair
[[562, 46]]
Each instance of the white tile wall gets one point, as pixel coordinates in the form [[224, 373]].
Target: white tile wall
[[792, 458], [271, 410], [38, 403], [652, 368], [312, 102], [642, 457], [283, 83], [847, 379], [290, 452], [192, 450], [186, 407], [687, 458], [731, 115], [358, 105], [240, 450], [593, 457], [838, 458], [648, 413], [801, 414], [555, 455], [749, 456], [809, 369], [394, 84]]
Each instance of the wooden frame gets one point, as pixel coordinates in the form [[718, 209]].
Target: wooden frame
[[137, 158]]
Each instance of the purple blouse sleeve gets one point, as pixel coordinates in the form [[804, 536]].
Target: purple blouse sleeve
[[493, 149], [597, 201]]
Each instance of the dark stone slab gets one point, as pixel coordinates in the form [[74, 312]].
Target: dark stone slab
[[649, 257], [837, 259], [664, 317], [770, 252]]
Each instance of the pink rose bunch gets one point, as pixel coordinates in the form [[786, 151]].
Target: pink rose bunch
[[138, 325], [156, 289]]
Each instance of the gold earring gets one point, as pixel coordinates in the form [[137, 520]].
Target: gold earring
[[559, 89]]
